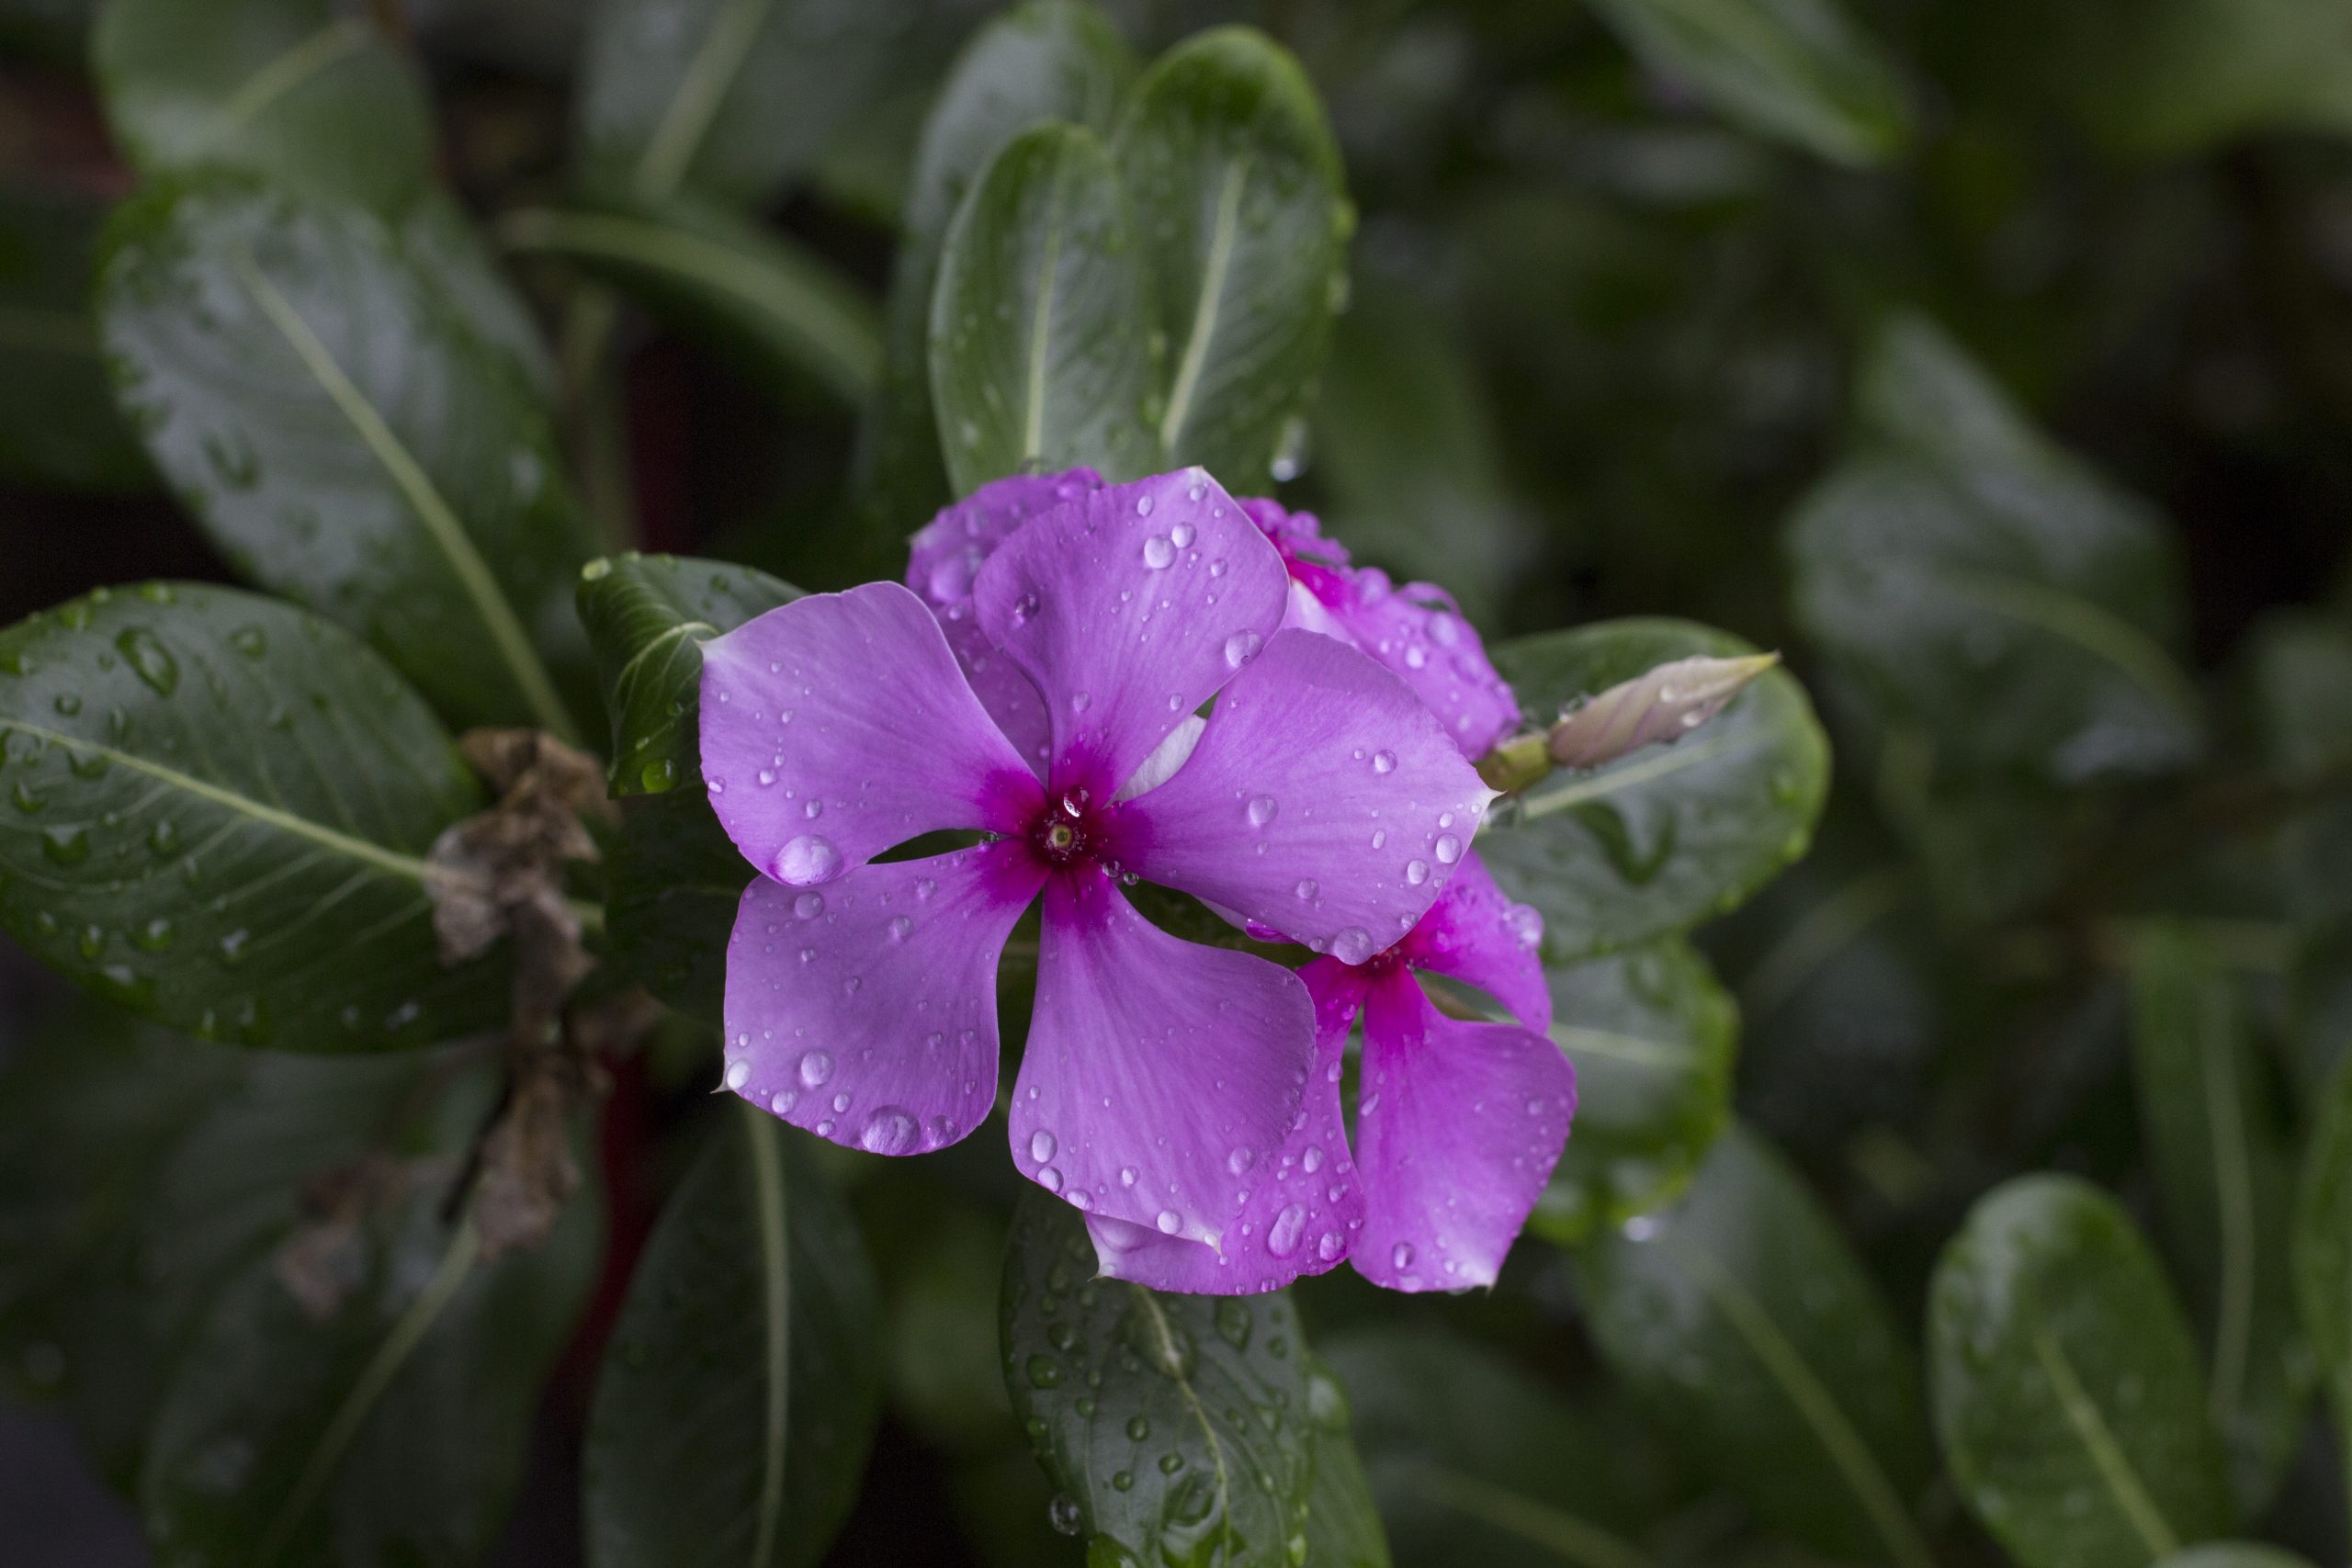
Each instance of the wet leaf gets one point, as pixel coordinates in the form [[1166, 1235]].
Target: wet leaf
[[319, 396], [676, 882], [1743, 1319], [388, 1429], [1653, 1036], [1047, 59], [1477, 1464], [648, 618], [1343, 1528], [1242, 218], [2224, 1169], [219, 813], [1665, 837], [778, 309], [1177, 1428], [740, 1388], [729, 98], [1040, 359], [2233, 1554], [2067, 1392], [1797, 71], [305, 93]]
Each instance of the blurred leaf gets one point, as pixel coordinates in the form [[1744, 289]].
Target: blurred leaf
[[1046, 60], [302, 92], [1343, 1528], [2301, 680], [1405, 447], [1171, 1423], [1652, 1035], [2225, 1171], [318, 398], [1476, 1465], [747, 291], [729, 98], [740, 1390], [1670, 835], [2233, 1554], [1039, 354], [2067, 1392], [646, 618], [2173, 76], [1989, 590], [221, 807], [388, 1430], [1796, 71], [677, 881], [1242, 213], [1745, 1321], [441, 240], [2323, 1247], [58, 424], [49, 31]]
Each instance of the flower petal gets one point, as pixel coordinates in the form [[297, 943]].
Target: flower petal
[[1457, 1130], [948, 553], [1418, 632], [838, 726], [1322, 800], [1157, 1070], [865, 1011], [942, 561], [1474, 934], [1305, 1207], [1129, 607]]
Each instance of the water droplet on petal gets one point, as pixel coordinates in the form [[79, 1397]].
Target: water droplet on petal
[[816, 1067], [1241, 648], [1417, 871], [1449, 849], [1051, 1179], [1262, 810], [1402, 1257], [1306, 889], [900, 926], [1384, 762], [1040, 1146], [1170, 1222], [808, 906], [807, 859], [888, 1131], [1352, 945], [738, 1074], [1282, 1237], [1158, 553]]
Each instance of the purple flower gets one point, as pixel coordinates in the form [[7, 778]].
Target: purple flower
[[861, 999], [1416, 630]]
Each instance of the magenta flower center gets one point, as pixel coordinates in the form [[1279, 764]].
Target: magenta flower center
[[1069, 831]]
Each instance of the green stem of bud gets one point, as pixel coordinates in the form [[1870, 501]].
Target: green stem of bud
[[1517, 763]]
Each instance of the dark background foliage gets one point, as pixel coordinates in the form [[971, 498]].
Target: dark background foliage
[[1828, 325]]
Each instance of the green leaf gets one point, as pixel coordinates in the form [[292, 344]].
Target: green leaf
[[2301, 690], [1476, 1465], [2323, 1245], [1668, 836], [729, 98], [219, 810], [739, 1393], [319, 398], [1988, 591], [1404, 433], [1653, 1036], [2225, 1171], [648, 618], [1745, 1321], [386, 1431], [94, 1110], [1343, 1528], [676, 880], [58, 424], [1046, 60], [1040, 355], [1796, 71], [1171, 1423], [1243, 215], [2068, 1391], [297, 91], [2233, 1554], [780, 310]]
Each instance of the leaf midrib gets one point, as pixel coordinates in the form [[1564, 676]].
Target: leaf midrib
[[1170, 1361], [2233, 1198], [319, 52], [411, 867], [475, 579], [1665, 1056], [1204, 307], [1572, 1539], [709, 77], [1673, 759], [1820, 1410], [1041, 321], [2092, 627], [2123, 1482]]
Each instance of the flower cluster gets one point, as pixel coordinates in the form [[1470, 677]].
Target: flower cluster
[[1091, 685]]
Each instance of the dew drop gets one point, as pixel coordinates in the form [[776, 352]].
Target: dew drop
[[808, 906], [1181, 535], [1402, 1257], [887, 1131], [1352, 945], [816, 1067], [807, 859], [738, 1074], [1262, 810], [1281, 1236], [1449, 849], [1306, 889], [1417, 871], [1158, 553], [1241, 648], [1384, 762], [1170, 1222], [1040, 1146]]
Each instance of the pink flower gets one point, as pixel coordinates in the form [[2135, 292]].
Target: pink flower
[[861, 999]]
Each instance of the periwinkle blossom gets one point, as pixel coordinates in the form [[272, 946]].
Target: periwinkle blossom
[[861, 999], [1459, 1121]]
